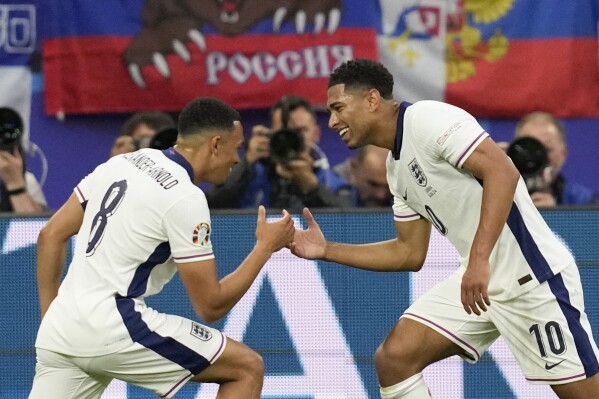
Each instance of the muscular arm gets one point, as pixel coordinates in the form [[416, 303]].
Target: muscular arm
[[52, 247], [407, 252], [211, 298], [500, 177]]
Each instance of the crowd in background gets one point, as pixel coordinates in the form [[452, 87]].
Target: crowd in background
[[283, 165]]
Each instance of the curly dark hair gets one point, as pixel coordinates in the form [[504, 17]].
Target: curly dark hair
[[364, 73], [206, 113]]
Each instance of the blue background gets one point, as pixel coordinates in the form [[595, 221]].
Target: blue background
[[367, 304]]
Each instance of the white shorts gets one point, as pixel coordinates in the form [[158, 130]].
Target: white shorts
[[546, 328], [161, 361]]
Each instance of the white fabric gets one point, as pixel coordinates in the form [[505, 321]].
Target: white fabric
[[412, 388], [437, 139], [160, 205], [34, 189], [523, 322]]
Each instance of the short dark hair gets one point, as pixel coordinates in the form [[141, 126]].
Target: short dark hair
[[206, 113], [155, 120], [364, 73], [288, 104]]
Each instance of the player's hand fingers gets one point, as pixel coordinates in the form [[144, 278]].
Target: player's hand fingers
[[261, 215], [310, 218], [480, 302], [485, 295], [464, 299]]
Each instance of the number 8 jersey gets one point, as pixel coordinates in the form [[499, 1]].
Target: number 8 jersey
[[142, 214], [425, 175]]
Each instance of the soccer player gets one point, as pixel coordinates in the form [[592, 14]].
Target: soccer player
[[516, 278], [140, 218]]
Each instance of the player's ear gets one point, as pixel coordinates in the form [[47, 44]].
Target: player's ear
[[374, 99], [215, 143]]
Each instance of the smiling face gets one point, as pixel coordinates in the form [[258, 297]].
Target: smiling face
[[350, 116], [226, 154]]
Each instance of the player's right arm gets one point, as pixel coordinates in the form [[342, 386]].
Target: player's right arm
[[52, 248], [407, 252]]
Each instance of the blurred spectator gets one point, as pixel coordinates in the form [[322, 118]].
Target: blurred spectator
[[559, 191], [139, 129], [258, 179], [366, 172], [19, 189]]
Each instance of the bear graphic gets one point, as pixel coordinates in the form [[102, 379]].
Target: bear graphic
[[168, 26]]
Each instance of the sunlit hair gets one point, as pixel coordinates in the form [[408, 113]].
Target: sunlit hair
[[364, 73], [206, 114]]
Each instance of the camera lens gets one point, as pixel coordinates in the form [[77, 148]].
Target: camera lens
[[11, 129], [286, 145], [528, 154]]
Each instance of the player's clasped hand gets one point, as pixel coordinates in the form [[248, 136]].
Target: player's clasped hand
[[475, 283], [275, 235], [310, 243]]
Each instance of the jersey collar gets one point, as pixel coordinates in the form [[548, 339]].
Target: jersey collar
[[399, 136], [174, 156]]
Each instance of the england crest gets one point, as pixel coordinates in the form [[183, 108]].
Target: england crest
[[417, 173]]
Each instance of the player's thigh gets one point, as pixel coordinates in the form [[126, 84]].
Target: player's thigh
[[548, 331], [236, 362], [166, 358], [58, 377], [446, 324]]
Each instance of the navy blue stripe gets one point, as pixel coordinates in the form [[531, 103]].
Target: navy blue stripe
[[174, 156], [572, 314], [84, 204], [399, 129], [537, 262], [139, 284], [166, 347]]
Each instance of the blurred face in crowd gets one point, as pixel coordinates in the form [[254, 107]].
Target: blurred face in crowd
[[548, 134], [301, 119], [369, 176], [143, 130]]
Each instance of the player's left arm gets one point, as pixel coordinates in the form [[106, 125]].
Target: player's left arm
[[499, 179], [52, 248]]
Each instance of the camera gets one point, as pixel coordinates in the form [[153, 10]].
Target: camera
[[11, 129], [286, 145], [162, 140], [529, 156]]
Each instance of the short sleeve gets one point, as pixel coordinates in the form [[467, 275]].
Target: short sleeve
[[188, 228], [452, 132], [402, 212], [84, 189]]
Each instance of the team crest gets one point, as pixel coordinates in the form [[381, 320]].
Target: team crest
[[201, 234], [200, 332], [417, 173]]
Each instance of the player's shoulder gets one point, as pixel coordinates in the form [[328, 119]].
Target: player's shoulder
[[438, 107]]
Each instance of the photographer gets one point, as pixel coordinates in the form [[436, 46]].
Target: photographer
[[556, 190], [139, 129], [300, 178], [19, 189]]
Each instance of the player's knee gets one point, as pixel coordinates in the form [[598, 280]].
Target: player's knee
[[253, 365], [396, 355]]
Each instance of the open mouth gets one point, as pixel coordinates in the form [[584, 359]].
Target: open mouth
[[343, 131]]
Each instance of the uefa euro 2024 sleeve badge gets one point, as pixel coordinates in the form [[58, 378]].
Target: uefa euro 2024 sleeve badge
[[201, 234]]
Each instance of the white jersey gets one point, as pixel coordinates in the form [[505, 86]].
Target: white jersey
[[142, 214], [425, 175]]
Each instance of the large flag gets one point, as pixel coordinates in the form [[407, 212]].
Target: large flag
[[121, 56], [499, 58]]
